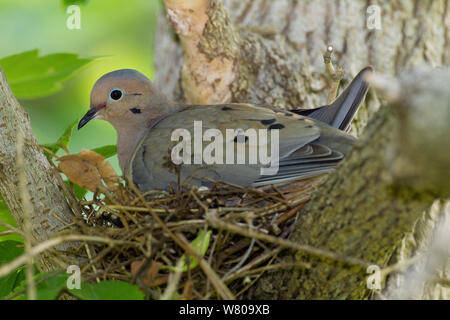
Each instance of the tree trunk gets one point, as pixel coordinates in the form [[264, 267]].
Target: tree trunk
[[277, 48], [270, 51], [49, 208]]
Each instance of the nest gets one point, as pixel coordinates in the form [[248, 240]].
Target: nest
[[195, 244]]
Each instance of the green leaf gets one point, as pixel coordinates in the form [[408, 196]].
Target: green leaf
[[79, 191], [9, 250], [65, 138], [200, 245], [49, 289], [106, 151], [67, 3], [5, 216], [63, 141], [108, 290], [31, 76]]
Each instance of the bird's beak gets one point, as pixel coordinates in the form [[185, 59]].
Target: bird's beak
[[89, 116]]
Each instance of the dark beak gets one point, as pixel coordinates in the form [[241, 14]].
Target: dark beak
[[87, 117]]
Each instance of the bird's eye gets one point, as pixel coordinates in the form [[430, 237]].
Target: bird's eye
[[116, 94]]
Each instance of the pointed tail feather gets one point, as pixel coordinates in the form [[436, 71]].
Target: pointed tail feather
[[340, 113]]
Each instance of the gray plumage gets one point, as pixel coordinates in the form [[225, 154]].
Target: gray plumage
[[307, 146]]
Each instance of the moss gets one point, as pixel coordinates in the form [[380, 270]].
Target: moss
[[353, 213], [219, 37]]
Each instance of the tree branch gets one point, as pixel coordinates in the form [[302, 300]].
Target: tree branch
[[361, 210], [45, 197], [210, 49]]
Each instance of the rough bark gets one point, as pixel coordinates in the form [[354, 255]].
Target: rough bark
[[365, 208], [270, 51], [275, 50], [49, 207], [275, 47]]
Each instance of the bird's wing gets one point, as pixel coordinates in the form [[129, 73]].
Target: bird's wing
[[152, 166], [340, 113]]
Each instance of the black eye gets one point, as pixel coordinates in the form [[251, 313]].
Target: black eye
[[115, 94], [135, 110]]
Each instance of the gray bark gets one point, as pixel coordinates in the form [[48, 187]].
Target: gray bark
[[270, 51], [48, 204], [278, 61]]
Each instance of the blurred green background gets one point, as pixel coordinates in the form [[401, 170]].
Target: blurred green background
[[117, 34], [120, 34]]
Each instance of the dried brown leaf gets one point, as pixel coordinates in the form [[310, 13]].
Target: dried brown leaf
[[88, 169]]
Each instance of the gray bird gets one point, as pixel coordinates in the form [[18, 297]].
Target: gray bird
[[162, 143]]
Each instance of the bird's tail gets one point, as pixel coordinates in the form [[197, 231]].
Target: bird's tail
[[340, 113]]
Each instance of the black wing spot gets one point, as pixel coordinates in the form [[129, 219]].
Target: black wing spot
[[276, 126], [310, 126], [236, 139], [268, 121], [135, 110], [226, 108], [288, 114]]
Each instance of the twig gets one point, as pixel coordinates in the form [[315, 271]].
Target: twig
[[8, 268], [10, 227], [221, 288], [286, 265], [242, 261], [270, 254], [399, 266], [27, 213], [321, 253], [88, 251], [336, 76], [7, 232]]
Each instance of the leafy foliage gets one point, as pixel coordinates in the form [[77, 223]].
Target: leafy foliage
[[63, 141], [200, 245], [6, 217], [108, 290], [106, 151], [80, 192], [67, 3], [9, 250], [49, 286], [31, 76]]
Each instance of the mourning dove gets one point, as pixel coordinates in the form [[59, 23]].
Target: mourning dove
[[162, 143]]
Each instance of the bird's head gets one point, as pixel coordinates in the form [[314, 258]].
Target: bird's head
[[125, 97]]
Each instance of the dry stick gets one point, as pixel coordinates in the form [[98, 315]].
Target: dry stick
[[286, 265], [336, 76], [321, 253], [7, 232], [27, 211], [254, 280], [88, 251], [290, 213], [399, 266], [174, 279], [211, 254], [7, 268], [221, 288], [255, 262], [10, 227]]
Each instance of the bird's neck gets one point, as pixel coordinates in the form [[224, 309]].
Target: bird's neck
[[129, 135], [127, 140]]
